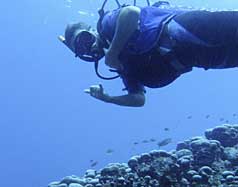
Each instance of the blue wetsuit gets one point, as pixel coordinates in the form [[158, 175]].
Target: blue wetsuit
[[190, 39]]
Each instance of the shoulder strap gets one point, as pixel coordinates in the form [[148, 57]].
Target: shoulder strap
[[99, 28], [102, 13]]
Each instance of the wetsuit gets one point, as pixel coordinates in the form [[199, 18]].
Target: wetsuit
[[170, 42]]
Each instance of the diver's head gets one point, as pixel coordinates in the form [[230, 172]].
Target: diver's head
[[83, 41]]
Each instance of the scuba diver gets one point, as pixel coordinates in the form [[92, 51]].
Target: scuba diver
[[152, 46]]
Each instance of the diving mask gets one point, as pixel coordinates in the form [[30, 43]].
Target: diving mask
[[83, 43]]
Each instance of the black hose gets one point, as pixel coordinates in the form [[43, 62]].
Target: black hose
[[148, 2], [118, 4], [100, 76], [103, 5]]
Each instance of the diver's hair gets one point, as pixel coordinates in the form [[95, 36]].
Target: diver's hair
[[72, 28]]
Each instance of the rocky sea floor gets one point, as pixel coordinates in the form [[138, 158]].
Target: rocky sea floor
[[210, 161]]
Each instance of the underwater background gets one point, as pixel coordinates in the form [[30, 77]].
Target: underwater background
[[50, 128]]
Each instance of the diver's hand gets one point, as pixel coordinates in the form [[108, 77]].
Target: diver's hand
[[97, 92]]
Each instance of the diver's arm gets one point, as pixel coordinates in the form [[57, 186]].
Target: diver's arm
[[127, 23], [131, 99]]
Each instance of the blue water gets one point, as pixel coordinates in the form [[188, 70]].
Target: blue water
[[50, 128]]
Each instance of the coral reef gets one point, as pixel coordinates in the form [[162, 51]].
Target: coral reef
[[210, 161]]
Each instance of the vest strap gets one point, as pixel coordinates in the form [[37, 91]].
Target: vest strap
[[165, 48]]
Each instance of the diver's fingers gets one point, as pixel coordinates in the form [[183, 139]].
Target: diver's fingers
[[97, 91], [87, 91], [61, 38], [94, 90], [101, 88], [94, 87]]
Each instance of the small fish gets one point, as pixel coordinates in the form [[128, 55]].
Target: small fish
[[227, 121], [234, 115], [145, 141], [166, 129], [109, 151], [152, 140], [83, 13], [135, 143], [164, 142], [189, 117], [93, 164], [90, 161], [207, 116], [221, 119]]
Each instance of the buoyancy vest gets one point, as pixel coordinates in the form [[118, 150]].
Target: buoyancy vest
[[151, 23]]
